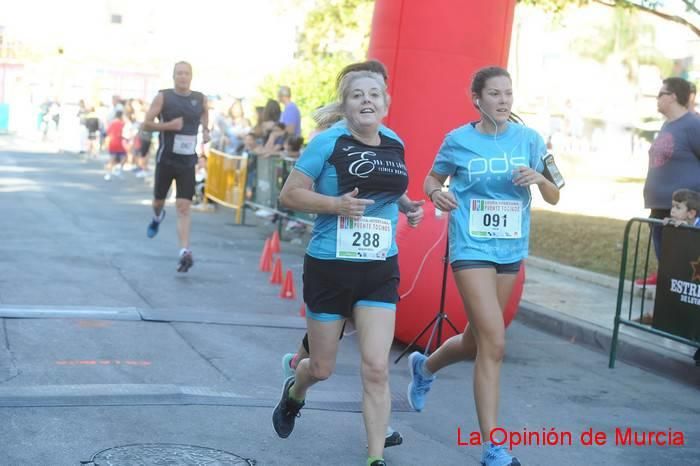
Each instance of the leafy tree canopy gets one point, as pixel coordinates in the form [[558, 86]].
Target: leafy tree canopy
[[655, 7], [335, 33]]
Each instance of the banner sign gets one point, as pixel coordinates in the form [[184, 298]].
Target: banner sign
[[677, 305]]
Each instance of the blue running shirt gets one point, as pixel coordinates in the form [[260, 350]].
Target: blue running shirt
[[338, 163], [480, 167]]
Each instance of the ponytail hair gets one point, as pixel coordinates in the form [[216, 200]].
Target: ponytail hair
[[328, 115]]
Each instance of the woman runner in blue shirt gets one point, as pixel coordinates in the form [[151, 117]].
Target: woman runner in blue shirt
[[491, 165], [354, 177]]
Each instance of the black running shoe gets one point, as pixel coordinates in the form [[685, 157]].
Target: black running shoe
[[378, 463], [286, 411], [185, 262], [392, 440]]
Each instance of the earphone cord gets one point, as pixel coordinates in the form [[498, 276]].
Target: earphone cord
[[516, 119], [422, 263]]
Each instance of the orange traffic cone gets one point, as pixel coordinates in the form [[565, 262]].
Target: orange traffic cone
[[288, 288], [265, 257], [275, 243], [302, 310], [276, 276]]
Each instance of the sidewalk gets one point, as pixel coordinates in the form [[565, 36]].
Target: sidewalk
[[579, 306]]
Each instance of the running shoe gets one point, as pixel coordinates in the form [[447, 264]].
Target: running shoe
[[496, 455], [287, 369], [185, 262], [107, 177], [286, 411], [393, 438], [378, 463], [152, 229], [419, 386]]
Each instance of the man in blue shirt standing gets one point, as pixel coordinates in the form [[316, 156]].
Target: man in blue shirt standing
[[291, 117]]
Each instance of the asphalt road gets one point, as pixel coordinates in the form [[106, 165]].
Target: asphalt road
[[104, 344]]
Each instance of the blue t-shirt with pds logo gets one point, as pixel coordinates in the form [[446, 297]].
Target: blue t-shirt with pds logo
[[338, 163], [492, 218]]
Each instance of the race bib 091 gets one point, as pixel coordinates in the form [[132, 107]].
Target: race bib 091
[[491, 218]]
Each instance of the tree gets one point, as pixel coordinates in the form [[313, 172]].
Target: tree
[[654, 7], [335, 33], [625, 37]]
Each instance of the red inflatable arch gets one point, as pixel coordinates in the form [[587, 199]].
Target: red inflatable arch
[[431, 49]]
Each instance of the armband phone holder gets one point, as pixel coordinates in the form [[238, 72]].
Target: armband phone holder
[[551, 172]]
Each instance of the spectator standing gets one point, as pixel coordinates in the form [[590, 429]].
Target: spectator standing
[[291, 117], [674, 157]]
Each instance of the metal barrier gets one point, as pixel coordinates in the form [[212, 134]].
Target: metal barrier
[[270, 175], [226, 180], [643, 239]]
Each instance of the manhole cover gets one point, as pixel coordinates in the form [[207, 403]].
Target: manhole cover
[[165, 454]]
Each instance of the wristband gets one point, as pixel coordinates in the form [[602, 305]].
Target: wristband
[[430, 194]]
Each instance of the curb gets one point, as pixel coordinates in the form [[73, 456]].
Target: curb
[[584, 275], [631, 349]]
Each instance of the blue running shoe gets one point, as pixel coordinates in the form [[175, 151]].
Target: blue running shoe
[[152, 229], [496, 455], [287, 369], [419, 386]]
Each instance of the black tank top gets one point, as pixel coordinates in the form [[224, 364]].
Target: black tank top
[[180, 146]]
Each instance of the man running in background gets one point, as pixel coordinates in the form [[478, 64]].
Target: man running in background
[[180, 111]]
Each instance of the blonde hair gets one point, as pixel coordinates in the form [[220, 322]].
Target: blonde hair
[[334, 112]]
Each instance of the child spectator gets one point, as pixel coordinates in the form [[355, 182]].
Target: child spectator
[[685, 208], [275, 141], [251, 149], [292, 147], [115, 144]]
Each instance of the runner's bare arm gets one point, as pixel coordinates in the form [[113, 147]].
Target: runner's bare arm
[[149, 123], [297, 194], [432, 186], [205, 121]]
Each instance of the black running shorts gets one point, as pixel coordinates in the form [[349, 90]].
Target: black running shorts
[[336, 286], [166, 173]]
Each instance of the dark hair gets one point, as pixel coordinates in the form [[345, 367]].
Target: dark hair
[[693, 89], [690, 198], [272, 111], [374, 66], [295, 143], [680, 87], [483, 75], [479, 83]]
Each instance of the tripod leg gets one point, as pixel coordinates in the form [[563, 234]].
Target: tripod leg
[[457, 332], [437, 329], [410, 346]]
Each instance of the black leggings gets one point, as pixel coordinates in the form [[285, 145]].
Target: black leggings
[[305, 341]]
